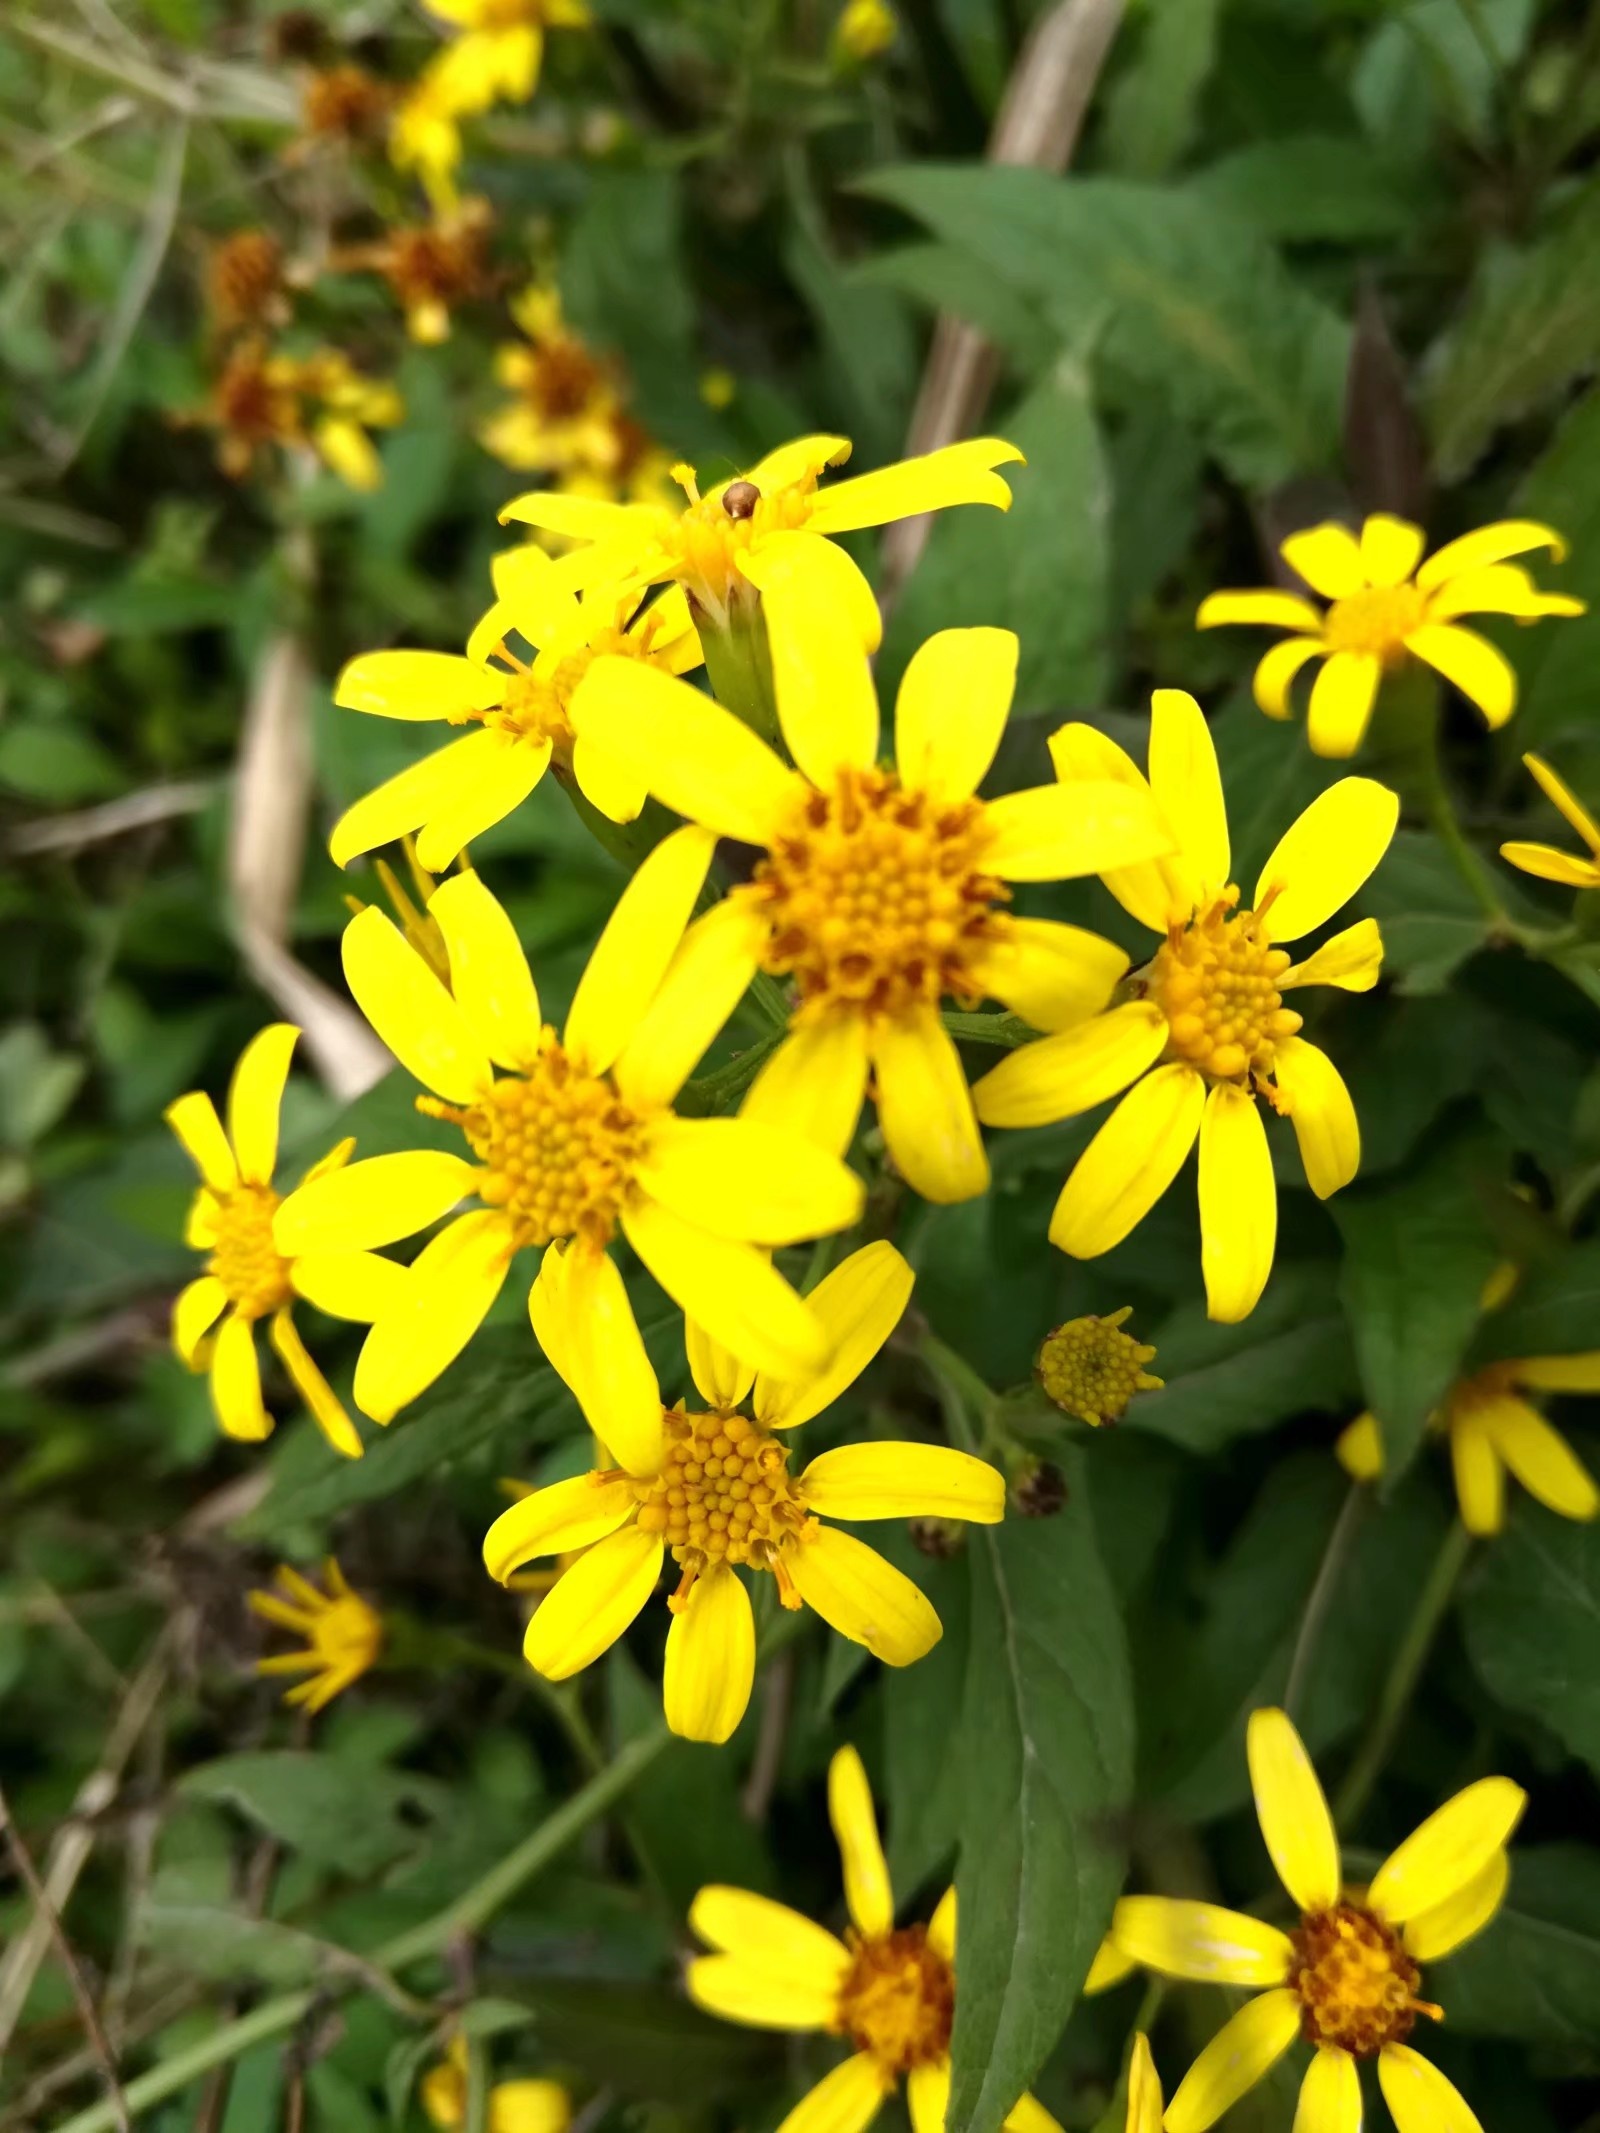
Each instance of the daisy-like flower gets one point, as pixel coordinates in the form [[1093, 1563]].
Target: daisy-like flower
[[425, 135], [889, 1991], [248, 1277], [1347, 1978], [343, 1633], [1383, 609], [1206, 1034], [318, 403], [563, 416], [430, 267], [712, 1488], [514, 2106], [574, 1140], [1492, 1431], [519, 712], [498, 46], [881, 892], [1548, 861]]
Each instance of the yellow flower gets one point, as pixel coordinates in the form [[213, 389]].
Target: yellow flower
[[1548, 861], [713, 1488], [520, 712], [425, 136], [574, 1140], [1092, 1369], [1491, 1430], [496, 53], [343, 1634], [248, 1277], [1348, 1976], [1206, 1032], [349, 405], [430, 266], [1383, 608], [1145, 2101], [890, 1991], [881, 891], [318, 402], [564, 416], [714, 545], [514, 2106], [864, 29]]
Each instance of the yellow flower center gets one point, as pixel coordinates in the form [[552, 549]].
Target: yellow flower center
[[1216, 981], [533, 709], [723, 1496], [708, 538], [898, 1999], [558, 1147], [1357, 1985], [1091, 1368], [1377, 620], [875, 897], [245, 1259]]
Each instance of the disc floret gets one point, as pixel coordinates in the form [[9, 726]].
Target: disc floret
[[898, 1998], [1216, 981], [244, 1258], [723, 1495], [1090, 1368], [1357, 1985]]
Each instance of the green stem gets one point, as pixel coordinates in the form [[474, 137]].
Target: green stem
[[1433, 1603], [1007, 1030], [739, 666], [971, 1401], [1320, 1597]]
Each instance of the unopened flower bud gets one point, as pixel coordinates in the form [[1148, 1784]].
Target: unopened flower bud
[[1039, 1489], [939, 1538]]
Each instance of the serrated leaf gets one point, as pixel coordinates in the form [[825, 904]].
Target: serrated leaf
[[1531, 1615]]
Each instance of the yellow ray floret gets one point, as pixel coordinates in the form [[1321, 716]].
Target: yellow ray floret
[[514, 2106], [880, 893], [711, 1488], [498, 47], [1205, 1038], [249, 1276], [342, 1633], [1548, 861], [1384, 608], [1348, 1976], [573, 1141]]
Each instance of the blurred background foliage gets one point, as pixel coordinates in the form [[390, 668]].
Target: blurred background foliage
[[1314, 258]]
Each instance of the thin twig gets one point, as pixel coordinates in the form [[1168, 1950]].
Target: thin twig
[[1320, 1597], [113, 818], [777, 1696]]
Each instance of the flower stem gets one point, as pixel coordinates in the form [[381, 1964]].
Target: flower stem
[[1320, 1597], [972, 1405], [739, 666]]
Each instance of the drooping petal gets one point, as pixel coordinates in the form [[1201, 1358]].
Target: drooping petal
[[740, 1178], [1073, 1071], [1238, 1204], [450, 1286], [719, 1376], [1351, 960], [1419, 2096], [863, 1597], [486, 784], [1149, 890], [1109, 1967], [1330, 2095], [705, 982], [1549, 863], [1181, 1938], [195, 1311], [592, 1603], [255, 1095], [821, 678], [634, 950], [558, 1520], [1130, 1162], [418, 685], [1247, 2046], [1293, 1811], [833, 576], [845, 2101], [193, 1118], [1321, 1113], [326, 1408], [739, 1990], [955, 474], [584, 1321], [731, 1289], [1448, 1850], [1056, 832], [404, 802], [489, 974], [815, 1082], [1564, 799], [1187, 787], [865, 1481], [1270, 609], [1328, 557], [1479, 669], [1432, 1935], [1276, 670], [925, 1108], [858, 1306], [711, 1658], [369, 1204], [1050, 974], [236, 1381], [867, 1894], [1391, 549], [1325, 855], [607, 782], [769, 1936], [1359, 1449], [1342, 697], [1479, 1476], [1489, 544], [1541, 1459], [928, 2095], [1144, 2089], [411, 1011], [954, 700]]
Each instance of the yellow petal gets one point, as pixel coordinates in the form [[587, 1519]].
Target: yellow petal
[[1498, 589], [1359, 1449], [1073, 1071], [1272, 610], [489, 974], [1130, 1162], [607, 782], [592, 1603], [925, 1108], [631, 957], [1149, 890], [1548, 863], [952, 708], [705, 981], [1144, 2089], [742, 1179], [489, 778], [863, 1597], [236, 1382], [955, 474], [580, 518], [800, 460], [359, 1286], [404, 802], [815, 1082], [1051, 975], [771, 1937], [928, 2095], [1054, 832], [1330, 2095], [833, 574], [1321, 1113], [1419, 2097], [1480, 1478], [254, 1097], [1432, 1935], [879, 1480], [450, 1286], [1342, 697], [1200, 1940], [822, 682], [1276, 670], [1561, 1373], [367, 1204], [558, 1520], [1560, 795], [193, 1118], [194, 1313], [538, 600], [1541, 1459], [1325, 855], [845, 2101], [1328, 557], [691, 753], [1448, 1850], [1109, 1967], [711, 1658], [326, 1409], [1479, 669], [1293, 1811], [349, 451], [1351, 960], [411, 1011], [1238, 1204], [857, 1306], [1187, 787], [729, 1288], [417, 685], [720, 1378], [1391, 549], [942, 1926], [529, 2107], [200, 1223], [867, 1895], [766, 1998], [1490, 544], [583, 1320], [1247, 2046]]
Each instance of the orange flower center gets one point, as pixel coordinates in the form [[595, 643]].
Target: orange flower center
[[898, 1999], [1377, 620], [723, 1496], [563, 380], [1216, 981], [245, 1259], [1357, 1985], [244, 276], [876, 900]]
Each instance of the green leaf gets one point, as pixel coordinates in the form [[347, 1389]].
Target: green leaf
[[1555, 1309], [866, 335], [1431, 921], [1153, 105], [1557, 662], [922, 1778], [943, 277], [347, 1816], [1534, 1973], [1045, 1738], [647, 2041], [58, 766], [1531, 1615], [1312, 188]]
